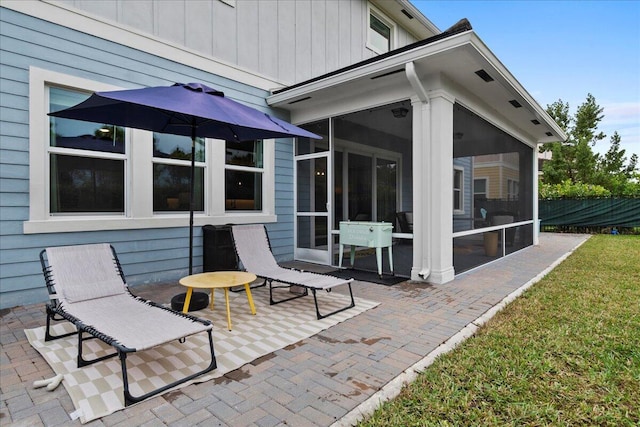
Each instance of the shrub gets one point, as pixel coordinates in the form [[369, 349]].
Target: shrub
[[569, 189]]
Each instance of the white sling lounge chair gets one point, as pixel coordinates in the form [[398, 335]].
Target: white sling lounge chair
[[254, 251], [87, 288]]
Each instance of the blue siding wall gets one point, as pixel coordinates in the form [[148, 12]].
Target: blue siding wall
[[148, 255]]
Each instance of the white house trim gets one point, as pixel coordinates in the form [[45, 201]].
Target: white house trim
[[468, 42], [440, 203], [384, 65], [382, 17]]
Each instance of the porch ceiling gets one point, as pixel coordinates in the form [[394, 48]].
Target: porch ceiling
[[452, 61]]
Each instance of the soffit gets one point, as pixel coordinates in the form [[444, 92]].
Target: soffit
[[450, 64], [418, 25]]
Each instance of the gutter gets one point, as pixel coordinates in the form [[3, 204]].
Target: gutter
[[421, 93], [461, 27], [382, 64]]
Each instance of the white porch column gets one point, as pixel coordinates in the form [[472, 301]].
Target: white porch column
[[421, 190], [439, 179]]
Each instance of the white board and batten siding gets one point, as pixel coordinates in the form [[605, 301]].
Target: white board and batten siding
[[288, 41]]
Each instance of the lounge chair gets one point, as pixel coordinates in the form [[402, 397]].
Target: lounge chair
[[87, 288], [254, 251]]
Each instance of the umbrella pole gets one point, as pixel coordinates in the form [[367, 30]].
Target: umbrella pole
[[192, 195]]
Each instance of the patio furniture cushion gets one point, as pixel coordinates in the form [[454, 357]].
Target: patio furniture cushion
[[87, 288], [93, 275], [254, 251]]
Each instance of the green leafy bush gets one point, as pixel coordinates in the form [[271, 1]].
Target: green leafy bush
[[569, 189]]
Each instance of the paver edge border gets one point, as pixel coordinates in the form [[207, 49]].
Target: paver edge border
[[393, 387]]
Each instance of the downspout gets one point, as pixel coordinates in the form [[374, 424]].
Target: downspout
[[421, 93]]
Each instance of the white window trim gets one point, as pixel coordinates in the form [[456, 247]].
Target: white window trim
[[252, 169], [461, 169], [139, 206], [486, 185], [372, 10]]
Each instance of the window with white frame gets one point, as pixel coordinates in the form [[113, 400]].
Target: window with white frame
[[480, 188], [86, 161], [380, 32], [458, 190], [172, 173], [91, 176], [244, 168]]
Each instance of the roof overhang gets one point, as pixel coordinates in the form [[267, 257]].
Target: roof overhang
[[451, 61], [405, 13]]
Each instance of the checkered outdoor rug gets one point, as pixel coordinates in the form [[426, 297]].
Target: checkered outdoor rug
[[96, 390]]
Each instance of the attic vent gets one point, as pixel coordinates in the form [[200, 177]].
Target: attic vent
[[535, 122], [407, 14], [548, 133], [388, 74], [515, 103], [299, 100], [484, 76]]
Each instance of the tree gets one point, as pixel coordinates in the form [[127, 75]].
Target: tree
[[574, 160], [612, 172]]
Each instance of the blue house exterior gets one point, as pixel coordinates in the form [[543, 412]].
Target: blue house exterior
[[34, 46], [386, 88]]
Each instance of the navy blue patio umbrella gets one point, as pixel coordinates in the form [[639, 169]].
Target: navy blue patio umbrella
[[192, 109]]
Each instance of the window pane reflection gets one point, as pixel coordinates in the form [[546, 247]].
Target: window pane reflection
[[78, 134], [245, 153], [171, 190], [243, 191], [166, 146], [85, 184]]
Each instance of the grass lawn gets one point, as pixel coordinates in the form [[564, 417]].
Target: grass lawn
[[566, 353]]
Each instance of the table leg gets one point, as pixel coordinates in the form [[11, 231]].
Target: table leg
[[391, 259], [187, 300], [212, 289], [247, 288], [352, 257], [379, 260], [340, 259], [226, 297]]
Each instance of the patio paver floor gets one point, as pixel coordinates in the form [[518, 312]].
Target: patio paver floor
[[320, 381]]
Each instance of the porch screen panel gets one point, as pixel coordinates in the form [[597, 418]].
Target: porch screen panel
[[360, 186], [308, 145], [386, 194], [497, 189]]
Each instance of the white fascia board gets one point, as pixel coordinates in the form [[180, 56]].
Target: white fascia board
[[69, 17], [516, 87], [469, 39], [106, 223], [395, 61]]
